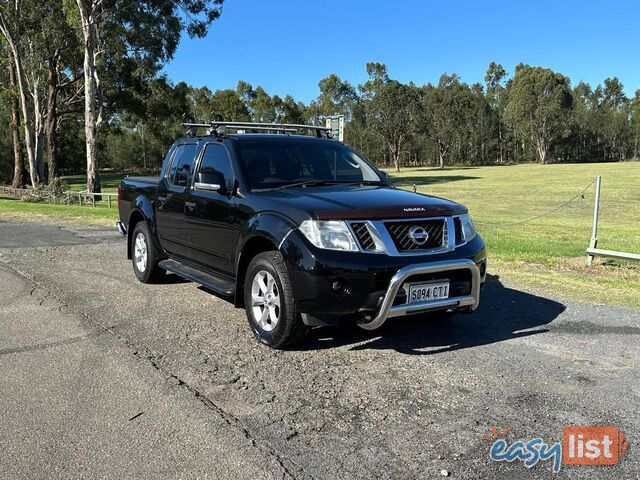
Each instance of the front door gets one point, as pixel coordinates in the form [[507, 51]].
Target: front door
[[172, 192], [211, 217]]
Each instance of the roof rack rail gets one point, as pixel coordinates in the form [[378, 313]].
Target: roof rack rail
[[220, 127]]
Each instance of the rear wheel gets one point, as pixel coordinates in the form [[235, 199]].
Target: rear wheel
[[144, 256], [269, 303]]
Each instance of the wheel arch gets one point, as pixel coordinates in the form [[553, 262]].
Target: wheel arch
[[252, 247], [141, 211], [263, 233]]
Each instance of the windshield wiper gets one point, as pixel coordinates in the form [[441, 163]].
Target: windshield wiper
[[320, 183], [363, 182]]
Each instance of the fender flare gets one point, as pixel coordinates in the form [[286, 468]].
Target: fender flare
[[271, 227], [143, 207]]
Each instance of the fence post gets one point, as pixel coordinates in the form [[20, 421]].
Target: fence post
[[79, 199], [93, 200], [596, 212], [109, 200]]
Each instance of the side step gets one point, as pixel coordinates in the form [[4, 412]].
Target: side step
[[219, 285]]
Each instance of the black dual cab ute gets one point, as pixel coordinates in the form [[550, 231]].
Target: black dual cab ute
[[299, 230]]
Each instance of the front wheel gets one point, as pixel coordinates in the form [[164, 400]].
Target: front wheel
[[269, 302]]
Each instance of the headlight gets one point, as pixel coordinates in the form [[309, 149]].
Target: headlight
[[333, 235], [468, 228]]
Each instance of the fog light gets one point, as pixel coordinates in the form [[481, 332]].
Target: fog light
[[341, 285]]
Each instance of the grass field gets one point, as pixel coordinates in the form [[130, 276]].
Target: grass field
[[15, 209], [547, 253]]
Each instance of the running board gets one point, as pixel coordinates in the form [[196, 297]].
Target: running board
[[219, 285]]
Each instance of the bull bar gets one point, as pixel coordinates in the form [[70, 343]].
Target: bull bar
[[388, 310]]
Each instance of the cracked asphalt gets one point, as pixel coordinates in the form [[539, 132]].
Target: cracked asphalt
[[104, 377]]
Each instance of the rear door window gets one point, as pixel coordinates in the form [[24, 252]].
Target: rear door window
[[182, 165]]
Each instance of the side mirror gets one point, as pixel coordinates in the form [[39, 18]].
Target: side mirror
[[385, 175], [211, 182]]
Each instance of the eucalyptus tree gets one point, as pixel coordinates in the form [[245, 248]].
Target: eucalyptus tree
[[131, 38], [10, 97], [616, 113], [495, 93], [390, 109], [540, 103], [445, 111], [14, 26], [288, 110], [337, 97], [44, 62], [263, 108], [635, 123], [228, 105]]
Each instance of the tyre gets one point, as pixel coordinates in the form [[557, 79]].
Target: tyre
[[144, 256], [269, 302]]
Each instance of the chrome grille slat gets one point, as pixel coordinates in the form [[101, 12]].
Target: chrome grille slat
[[363, 235], [399, 232]]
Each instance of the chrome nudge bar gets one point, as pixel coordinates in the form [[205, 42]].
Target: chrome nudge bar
[[387, 309]]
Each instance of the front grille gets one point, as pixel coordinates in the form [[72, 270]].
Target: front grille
[[363, 235], [401, 234]]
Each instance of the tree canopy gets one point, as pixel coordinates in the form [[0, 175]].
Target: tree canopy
[[81, 89]]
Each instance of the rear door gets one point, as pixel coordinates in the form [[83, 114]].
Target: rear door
[[212, 217], [172, 192]]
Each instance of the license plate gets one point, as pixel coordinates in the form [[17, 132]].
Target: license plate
[[425, 292]]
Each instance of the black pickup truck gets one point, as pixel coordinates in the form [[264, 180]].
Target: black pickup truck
[[299, 230]]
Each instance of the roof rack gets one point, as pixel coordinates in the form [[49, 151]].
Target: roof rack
[[219, 128]]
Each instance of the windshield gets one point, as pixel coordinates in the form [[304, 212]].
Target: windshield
[[272, 164]]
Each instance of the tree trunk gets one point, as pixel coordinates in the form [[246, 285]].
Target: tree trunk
[[19, 172], [24, 104], [52, 119], [395, 156], [39, 134], [501, 161], [90, 95], [541, 148]]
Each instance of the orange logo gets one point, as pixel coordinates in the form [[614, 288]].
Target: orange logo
[[592, 445]]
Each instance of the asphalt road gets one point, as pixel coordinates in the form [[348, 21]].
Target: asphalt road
[[104, 377]]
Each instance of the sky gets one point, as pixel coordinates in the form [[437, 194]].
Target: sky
[[287, 46]]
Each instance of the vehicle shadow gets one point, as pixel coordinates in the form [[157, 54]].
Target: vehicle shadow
[[504, 314], [172, 278]]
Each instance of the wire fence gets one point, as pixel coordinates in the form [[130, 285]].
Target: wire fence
[[560, 206]]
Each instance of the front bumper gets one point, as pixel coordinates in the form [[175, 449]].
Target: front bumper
[[371, 285], [387, 309]]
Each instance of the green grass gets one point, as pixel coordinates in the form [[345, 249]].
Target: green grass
[[549, 253], [545, 254], [17, 210]]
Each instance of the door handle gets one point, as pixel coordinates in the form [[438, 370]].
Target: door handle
[[190, 204], [162, 198]]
